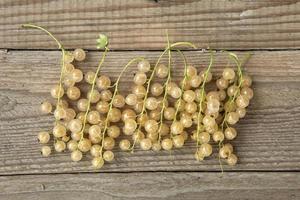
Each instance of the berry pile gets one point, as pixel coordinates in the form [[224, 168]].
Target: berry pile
[[158, 113]]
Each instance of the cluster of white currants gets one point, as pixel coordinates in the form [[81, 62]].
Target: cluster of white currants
[[158, 113]]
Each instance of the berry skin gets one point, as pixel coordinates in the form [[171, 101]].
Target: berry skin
[[151, 126], [119, 101], [84, 145], [124, 145], [59, 131], [73, 93], [232, 159], [89, 77], [151, 103], [103, 82], [108, 156], [167, 144], [43, 137], [189, 96], [57, 91], [156, 89], [178, 141], [176, 128], [195, 81], [113, 131], [45, 151], [232, 118], [97, 162], [77, 75], [162, 71], [102, 107], [82, 105], [140, 78], [204, 137], [218, 136], [131, 99], [72, 145], [46, 107], [228, 74], [79, 54], [205, 149], [108, 143], [76, 156], [60, 146], [146, 144], [230, 133], [75, 125], [144, 66]]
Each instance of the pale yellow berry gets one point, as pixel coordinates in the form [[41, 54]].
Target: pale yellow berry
[[108, 156], [146, 144], [98, 162], [59, 146], [84, 145], [43, 137], [124, 145], [46, 107], [167, 144], [45, 151], [76, 156], [79, 54]]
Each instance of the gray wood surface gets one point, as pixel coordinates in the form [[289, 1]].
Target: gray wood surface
[[268, 144], [141, 24], [154, 185], [268, 137]]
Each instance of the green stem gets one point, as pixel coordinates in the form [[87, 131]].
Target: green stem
[[165, 86], [183, 84], [60, 46], [92, 90], [169, 47], [239, 64], [113, 97], [202, 90]]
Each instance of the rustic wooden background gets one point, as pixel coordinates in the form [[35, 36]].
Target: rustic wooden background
[[268, 144]]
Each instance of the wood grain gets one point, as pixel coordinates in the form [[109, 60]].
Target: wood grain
[[141, 24], [268, 137], [235, 186]]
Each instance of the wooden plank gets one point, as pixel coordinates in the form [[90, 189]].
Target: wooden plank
[[258, 186], [268, 138], [141, 24]]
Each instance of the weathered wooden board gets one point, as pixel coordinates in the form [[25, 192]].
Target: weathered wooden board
[[268, 138], [141, 24], [235, 186]]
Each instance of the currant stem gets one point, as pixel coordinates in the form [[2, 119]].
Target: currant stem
[[239, 64], [60, 46], [116, 84], [92, 90], [45, 30], [202, 90], [183, 84], [165, 86], [188, 44]]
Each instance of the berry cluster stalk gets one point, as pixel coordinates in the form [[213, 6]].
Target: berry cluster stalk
[[116, 85], [60, 46], [202, 98], [92, 90], [169, 48]]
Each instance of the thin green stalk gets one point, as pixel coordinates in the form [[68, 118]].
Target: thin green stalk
[[169, 47], [92, 90], [60, 46], [116, 84], [239, 64], [165, 86], [202, 91]]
